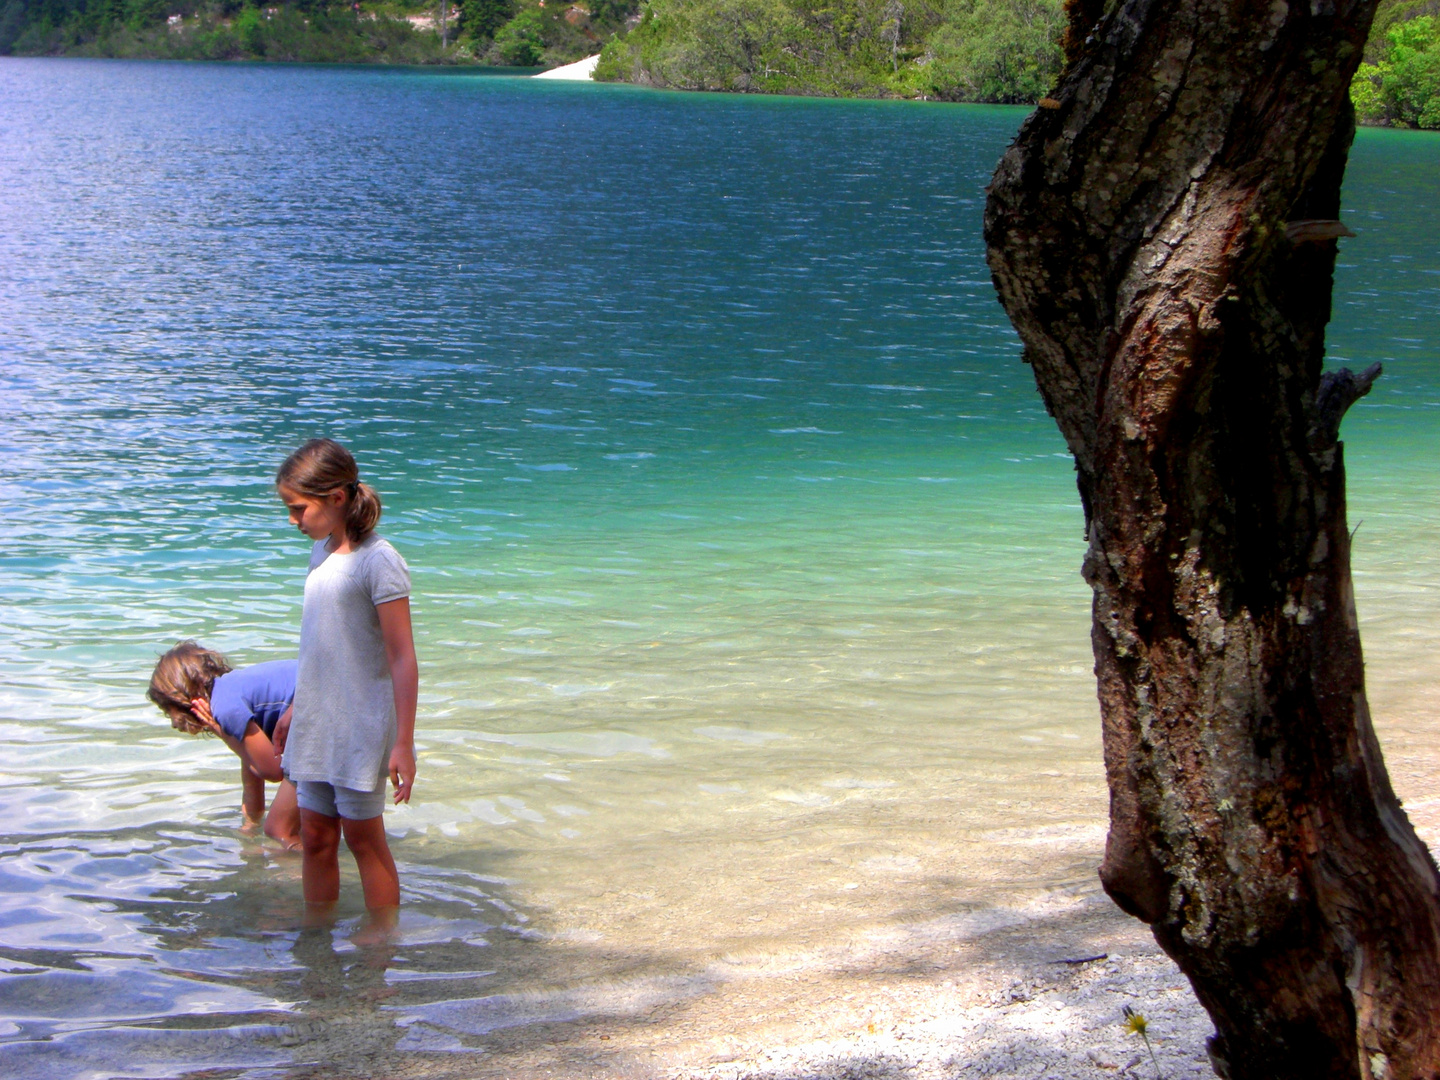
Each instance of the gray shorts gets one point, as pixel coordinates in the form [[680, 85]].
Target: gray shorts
[[321, 798]]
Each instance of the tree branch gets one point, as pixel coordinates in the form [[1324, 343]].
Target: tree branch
[[1337, 392]]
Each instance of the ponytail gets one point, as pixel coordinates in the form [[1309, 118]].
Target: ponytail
[[323, 466], [363, 512]]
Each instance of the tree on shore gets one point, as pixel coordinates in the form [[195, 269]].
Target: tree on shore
[[1163, 235], [482, 18]]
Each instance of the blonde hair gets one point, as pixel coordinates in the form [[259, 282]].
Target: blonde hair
[[323, 466], [186, 672]]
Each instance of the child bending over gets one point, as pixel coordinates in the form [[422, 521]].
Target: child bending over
[[199, 691]]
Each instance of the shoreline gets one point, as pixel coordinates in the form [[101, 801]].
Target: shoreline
[[457, 64], [579, 71], [1041, 995], [1029, 987]]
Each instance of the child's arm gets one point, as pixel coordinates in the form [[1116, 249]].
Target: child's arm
[[255, 750], [282, 730], [260, 754], [252, 795], [405, 675]]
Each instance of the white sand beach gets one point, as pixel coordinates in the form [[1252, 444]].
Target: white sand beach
[[1035, 987], [942, 1000], [580, 71]]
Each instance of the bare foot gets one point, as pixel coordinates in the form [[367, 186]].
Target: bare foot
[[290, 842], [378, 926]]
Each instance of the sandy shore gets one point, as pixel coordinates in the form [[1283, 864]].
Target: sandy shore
[[1037, 1007], [1040, 995], [927, 988], [580, 71], [1036, 989]]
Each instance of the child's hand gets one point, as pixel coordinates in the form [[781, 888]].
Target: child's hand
[[201, 708], [402, 771], [282, 730]]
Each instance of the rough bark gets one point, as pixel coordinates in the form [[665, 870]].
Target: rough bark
[[1162, 234]]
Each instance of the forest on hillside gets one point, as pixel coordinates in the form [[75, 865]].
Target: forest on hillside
[[947, 50], [502, 33], [1005, 51]]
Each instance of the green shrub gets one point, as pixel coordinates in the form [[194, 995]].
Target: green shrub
[[12, 25], [521, 41], [481, 19], [249, 28], [995, 50], [972, 50], [1403, 87], [1389, 13]]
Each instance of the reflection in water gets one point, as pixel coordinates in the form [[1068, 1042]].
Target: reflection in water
[[745, 557], [198, 950]]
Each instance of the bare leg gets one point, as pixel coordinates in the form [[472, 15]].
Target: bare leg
[[252, 797], [378, 876], [320, 863], [283, 821]]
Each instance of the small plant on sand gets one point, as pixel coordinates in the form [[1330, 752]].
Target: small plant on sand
[[1136, 1024]]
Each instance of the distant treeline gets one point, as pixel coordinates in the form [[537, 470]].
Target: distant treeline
[[949, 50], [303, 30], [524, 33], [945, 50]]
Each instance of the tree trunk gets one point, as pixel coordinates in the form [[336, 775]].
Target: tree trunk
[[1162, 234]]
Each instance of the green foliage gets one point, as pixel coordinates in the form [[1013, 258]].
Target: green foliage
[[1387, 14], [12, 25], [521, 41], [557, 31], [139, 14], [520, 32], [480, 19], [953, 50], [957, 50], [1403, 86], [249, 28], [994, 50], [609, 12], [726, 45], [302, 30]]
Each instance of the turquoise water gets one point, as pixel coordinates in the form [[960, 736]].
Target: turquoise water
[[745, 557]]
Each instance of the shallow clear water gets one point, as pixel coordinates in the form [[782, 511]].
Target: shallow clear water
[[745, 556]]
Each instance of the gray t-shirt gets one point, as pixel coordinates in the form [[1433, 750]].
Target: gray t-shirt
[[343, 728]]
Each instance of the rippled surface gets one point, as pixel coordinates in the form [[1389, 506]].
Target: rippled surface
[[745, 556]]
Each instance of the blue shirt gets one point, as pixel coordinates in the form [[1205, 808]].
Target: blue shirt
[[261, 692]]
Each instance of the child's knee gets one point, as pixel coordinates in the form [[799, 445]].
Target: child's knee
[[364, 837], [285, 831], [319, 835]]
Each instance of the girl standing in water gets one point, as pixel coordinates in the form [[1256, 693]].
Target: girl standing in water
[[355, 692]]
